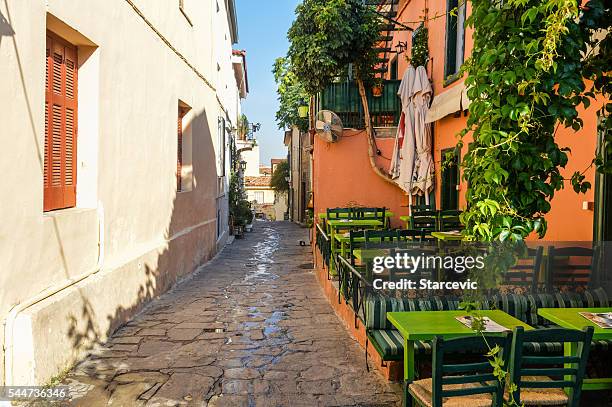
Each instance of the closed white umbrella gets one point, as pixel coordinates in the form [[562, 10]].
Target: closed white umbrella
[[424, 166], [402, 162]]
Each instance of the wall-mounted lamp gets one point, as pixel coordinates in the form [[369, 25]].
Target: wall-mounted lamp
[[243, 165]]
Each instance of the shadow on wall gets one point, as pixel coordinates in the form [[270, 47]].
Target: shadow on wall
[[191, 238], [190, 235]]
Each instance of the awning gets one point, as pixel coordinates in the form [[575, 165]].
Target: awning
[[445, 103]]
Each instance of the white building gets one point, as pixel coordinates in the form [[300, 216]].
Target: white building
[[115, 121]]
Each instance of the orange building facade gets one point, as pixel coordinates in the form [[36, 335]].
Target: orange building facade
[[343, 176]]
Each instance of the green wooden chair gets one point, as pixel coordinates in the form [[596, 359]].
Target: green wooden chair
[[526, 271], [571, 267], [410, 235], [423, 207], [448, 220], [541, 380], [373, 236], [371, 213], [424, 220], [357, 239], [470, 384]]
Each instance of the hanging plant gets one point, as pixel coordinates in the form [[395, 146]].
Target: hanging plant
[[420, 50]]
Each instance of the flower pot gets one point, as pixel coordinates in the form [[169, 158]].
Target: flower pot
[[377, 91]]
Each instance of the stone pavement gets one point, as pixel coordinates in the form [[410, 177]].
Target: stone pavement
[[251, 328]]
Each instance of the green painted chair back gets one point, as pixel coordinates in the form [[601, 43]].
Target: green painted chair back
[[411, 250], [424, 220], [423, 207], [337, 213], [478, 375], [525, 273], [356, 241], [411, 235], [380, 236], [561, 371], [571, 267], [370, 213], [449, 220]]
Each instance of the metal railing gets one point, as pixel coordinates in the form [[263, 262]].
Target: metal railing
[[323, 243], [354, 287], [343, 99]]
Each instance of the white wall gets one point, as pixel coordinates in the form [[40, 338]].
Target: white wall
[[130, 82], [252, 159]]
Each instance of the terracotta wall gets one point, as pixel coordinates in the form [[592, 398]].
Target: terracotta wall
[[343, 174]]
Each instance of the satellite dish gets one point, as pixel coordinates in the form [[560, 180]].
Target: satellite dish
[[328, 126]]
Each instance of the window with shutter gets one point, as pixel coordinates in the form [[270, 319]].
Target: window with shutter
[[179, 150], [455, 36], [59, 178]]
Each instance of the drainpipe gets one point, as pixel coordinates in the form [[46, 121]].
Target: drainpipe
[[14, 312]]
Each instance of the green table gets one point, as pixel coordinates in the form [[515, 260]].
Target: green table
[[448, 236], [345, 240], [570, 318], [426, 325], [339, 224], [365, 255], [388, 216]]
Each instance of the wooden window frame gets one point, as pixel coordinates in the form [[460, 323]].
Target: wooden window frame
[[451, 67], [182, 111], [444, 199], [393, 69], [60, 145], [222, 141]]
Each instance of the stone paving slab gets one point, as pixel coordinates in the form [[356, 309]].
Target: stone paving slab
[[251, 328]]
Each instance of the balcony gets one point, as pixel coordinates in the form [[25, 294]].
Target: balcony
[[343, 99]]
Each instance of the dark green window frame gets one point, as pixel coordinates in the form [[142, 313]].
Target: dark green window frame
[[450, 178], [455, 39], [393, 69]]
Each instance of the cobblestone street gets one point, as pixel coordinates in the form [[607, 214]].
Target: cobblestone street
[[251, 328]]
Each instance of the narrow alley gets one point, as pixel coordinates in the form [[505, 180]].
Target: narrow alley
[[251, 328]]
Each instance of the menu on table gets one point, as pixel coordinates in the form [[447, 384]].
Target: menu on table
[[489, 324], [601, 319]]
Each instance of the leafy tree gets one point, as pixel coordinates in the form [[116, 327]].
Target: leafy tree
[[243, 127], [526, 78], [279, 181], [239, 207], [326, 37], [291, 95]]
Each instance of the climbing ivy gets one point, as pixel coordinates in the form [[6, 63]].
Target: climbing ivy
[[525, 80], [419, 54]]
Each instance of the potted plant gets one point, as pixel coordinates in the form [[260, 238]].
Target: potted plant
[[377, 90]]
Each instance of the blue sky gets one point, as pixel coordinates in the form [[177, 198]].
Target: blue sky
[[262, 32]]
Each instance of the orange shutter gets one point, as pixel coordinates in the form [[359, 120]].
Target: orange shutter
[[179, 157], [59, 179]]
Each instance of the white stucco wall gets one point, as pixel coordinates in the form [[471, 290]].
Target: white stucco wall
[[268, 194], [252, 159], [137, 60]]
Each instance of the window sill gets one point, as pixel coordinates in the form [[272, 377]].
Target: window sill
[[452, 79], [67, 212]]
